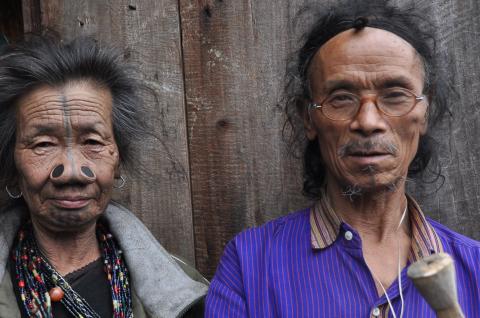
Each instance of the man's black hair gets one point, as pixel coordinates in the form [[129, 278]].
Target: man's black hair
[[45, 60], [407, 23]]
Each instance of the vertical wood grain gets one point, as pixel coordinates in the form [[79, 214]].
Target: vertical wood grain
[[147, 31], [234, 55]]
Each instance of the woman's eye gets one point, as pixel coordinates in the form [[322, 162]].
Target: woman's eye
[[93, 143]]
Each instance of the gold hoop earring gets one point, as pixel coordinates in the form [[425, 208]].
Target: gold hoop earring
[[13, 196]]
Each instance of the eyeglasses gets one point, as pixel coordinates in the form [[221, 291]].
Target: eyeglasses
[[342, 105]]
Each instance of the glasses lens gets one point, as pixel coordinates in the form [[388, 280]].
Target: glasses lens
[[396, 101], [340, 105]]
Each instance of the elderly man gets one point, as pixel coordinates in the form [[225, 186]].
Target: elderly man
[[366, 89]]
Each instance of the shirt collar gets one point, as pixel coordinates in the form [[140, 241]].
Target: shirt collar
[[325, 226]]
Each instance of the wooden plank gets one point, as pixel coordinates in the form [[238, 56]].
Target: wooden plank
[[148, 33], [234, 55], [234, 61]]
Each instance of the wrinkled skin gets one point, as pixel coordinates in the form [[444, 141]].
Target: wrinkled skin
[[380, 147], [71, 126]]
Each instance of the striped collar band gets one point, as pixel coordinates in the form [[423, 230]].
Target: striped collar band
[[325, 227]]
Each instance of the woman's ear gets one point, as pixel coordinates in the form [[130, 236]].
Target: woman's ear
[[117, 172]]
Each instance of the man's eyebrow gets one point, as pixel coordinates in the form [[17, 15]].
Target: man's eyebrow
[[400, 81], [334, 85]]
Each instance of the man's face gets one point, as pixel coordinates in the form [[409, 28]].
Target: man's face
[[65, 154], [372, 150]]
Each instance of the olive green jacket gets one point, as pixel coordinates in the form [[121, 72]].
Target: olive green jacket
[[161, 288]]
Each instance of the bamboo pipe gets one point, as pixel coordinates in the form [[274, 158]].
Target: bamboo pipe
[[434, 277]]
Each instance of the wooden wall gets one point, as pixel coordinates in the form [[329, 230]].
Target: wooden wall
[[219, 164]]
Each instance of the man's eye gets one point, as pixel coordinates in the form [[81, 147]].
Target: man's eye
[[44, 144], [341, 100], [396, 96]]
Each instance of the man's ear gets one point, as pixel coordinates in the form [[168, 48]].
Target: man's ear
[[424, 127], [310, 129]]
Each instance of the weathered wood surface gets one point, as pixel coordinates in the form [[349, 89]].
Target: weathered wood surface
[[234, 55], [148, 33]]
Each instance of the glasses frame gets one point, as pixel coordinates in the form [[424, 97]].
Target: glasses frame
[[320, 107]]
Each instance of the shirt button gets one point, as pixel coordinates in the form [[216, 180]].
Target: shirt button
[[376, 312], [348, 235]]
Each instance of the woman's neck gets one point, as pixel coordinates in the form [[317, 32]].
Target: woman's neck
[[67, 251]]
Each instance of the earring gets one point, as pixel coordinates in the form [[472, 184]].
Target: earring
[[13, 196], [121, 184]]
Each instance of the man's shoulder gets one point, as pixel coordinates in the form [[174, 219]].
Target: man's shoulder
[[454, 239], [259, 235]]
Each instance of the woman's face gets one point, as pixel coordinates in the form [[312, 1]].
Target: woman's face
[[65, 154]]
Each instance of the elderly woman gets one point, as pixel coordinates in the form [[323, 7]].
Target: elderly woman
[[68, 113]]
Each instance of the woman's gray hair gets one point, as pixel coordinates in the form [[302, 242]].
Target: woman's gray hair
[[45, 60]]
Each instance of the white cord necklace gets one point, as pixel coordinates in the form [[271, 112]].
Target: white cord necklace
[[399, 274]]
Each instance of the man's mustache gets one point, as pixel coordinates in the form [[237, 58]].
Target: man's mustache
[[368, 147]]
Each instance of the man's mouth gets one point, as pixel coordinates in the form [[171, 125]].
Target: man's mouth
[[368, 153], [370, 158]]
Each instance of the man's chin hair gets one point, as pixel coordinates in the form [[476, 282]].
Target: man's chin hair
[[354, 191]]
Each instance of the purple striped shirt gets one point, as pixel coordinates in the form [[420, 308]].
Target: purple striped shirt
[[304, 265]]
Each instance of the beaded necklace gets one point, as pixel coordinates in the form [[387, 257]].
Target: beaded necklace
[[39, 283]]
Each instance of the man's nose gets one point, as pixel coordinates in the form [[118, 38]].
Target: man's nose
[[72, 169], [369, 119]]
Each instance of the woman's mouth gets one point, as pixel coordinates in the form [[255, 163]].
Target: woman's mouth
[[70, 203]]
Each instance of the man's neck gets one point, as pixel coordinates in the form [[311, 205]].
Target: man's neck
[[67, 251], [376, 217], [373, 214]]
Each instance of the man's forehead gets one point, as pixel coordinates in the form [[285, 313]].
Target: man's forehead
[[382, 54], [367, 43]]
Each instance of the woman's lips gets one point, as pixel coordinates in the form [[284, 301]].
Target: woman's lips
[[70, 203]]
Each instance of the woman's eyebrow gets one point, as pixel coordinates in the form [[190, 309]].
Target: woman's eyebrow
[[41, 129]]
